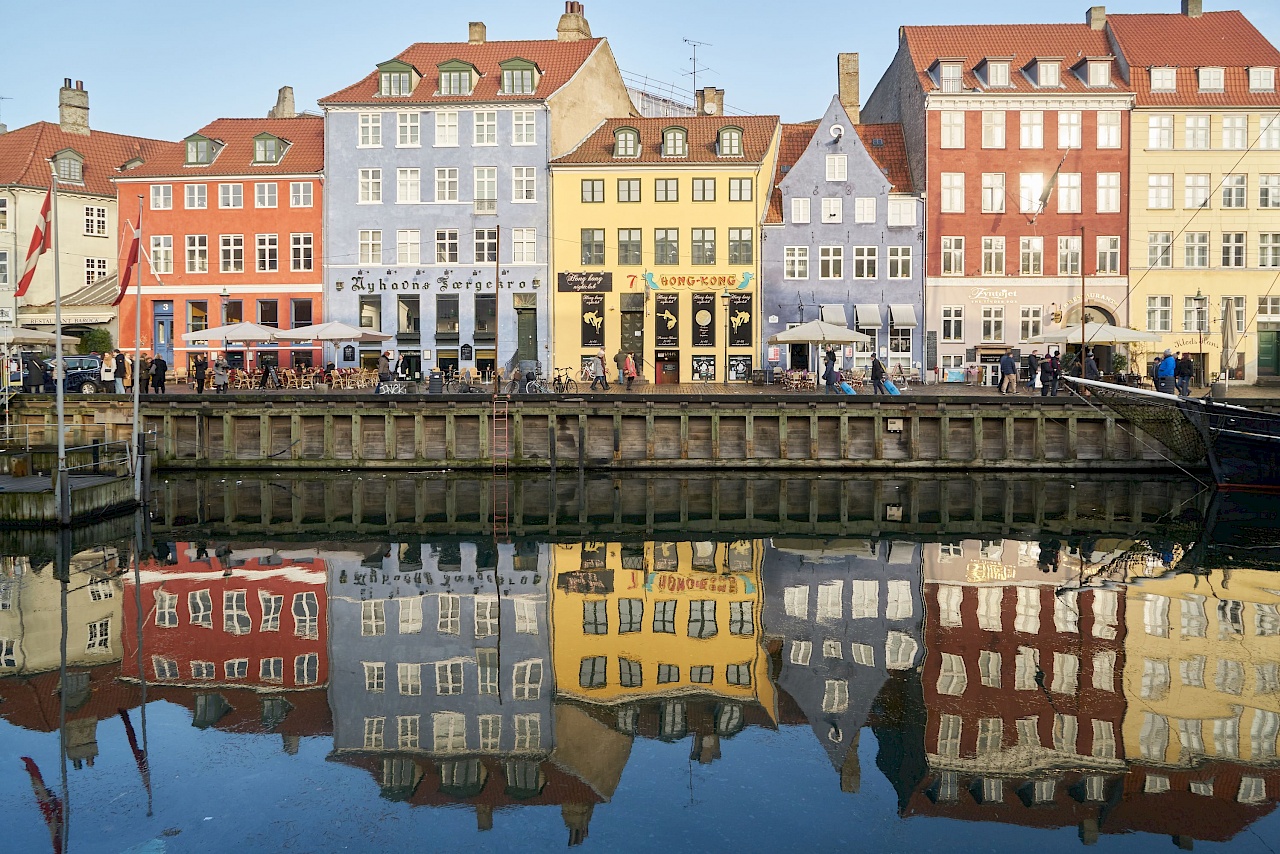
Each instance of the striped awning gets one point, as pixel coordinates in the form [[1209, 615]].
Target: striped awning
[[868, 315], [903, 316]]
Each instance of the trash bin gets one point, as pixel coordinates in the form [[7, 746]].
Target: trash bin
[[435, 383], [1218, 390]]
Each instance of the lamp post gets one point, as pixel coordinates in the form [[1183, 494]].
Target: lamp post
[[1202, 314], [724, 301]]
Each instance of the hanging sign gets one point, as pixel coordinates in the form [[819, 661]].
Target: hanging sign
[[704, 320], [666, 320]]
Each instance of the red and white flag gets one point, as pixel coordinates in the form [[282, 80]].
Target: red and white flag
[[132, 260], [41, 242]]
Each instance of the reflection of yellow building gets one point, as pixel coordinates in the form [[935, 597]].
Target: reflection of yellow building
[[1202, 669], [637, 622], [657, 244]]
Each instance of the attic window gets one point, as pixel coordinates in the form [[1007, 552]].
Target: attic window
[[70, 168], [199, 151], [1164, 80], [731, 142], [1048, 74], [950, 76], [267, 149], [394, 84], [675, 143], [626, 143], [1262, 79], [1210, 79], [1099, 73], [877, 143], [997, 74], [455, 82]]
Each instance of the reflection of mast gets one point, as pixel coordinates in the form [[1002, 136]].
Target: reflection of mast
[[50, 805], [139, 755]]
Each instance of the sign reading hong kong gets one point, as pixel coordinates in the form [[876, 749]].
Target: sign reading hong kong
[[447, 281]]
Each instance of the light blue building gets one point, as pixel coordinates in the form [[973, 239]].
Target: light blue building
[[843, 239], [437, 195]]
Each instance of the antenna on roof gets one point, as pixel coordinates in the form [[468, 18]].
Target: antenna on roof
[[695, 45], [3, 98]]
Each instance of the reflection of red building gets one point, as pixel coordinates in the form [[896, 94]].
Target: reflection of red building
[[1212, 802], [252, 620], [93, 694]]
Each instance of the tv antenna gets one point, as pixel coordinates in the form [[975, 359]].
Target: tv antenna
[[3, 98], [695, 45]]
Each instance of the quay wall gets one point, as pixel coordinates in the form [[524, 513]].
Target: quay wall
[[253, 432]]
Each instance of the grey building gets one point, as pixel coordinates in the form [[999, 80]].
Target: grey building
[[843, 238], [849, 616], [437, 196]]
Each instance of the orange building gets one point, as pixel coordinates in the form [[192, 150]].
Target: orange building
[[231, 223]]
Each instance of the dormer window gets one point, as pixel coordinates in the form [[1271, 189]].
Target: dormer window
[[731, 142], [200, 151], [1164, 80], [1099, 72], [70, 166], [1048, 74], [457, 78], [394, 84], [675, 143], [1262, 79], [626, 143], [267, 149], [519, 77], [1210, 79], [997, 73], [950, 77]]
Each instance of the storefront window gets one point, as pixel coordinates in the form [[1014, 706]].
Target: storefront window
[[197, 316], [371, 312], [447, 316], [900, 349], [486, 317]]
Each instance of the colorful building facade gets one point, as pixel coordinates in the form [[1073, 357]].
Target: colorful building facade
[[658, 244], [438, 215], [231, 231]]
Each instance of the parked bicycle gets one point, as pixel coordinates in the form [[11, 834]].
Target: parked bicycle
[[465, 383], [529, 383], [563, 382]]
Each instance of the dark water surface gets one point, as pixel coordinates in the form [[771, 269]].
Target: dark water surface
[[769, 663]]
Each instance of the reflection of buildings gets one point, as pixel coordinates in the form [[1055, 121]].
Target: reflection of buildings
[[442, 682], [848, 615], [1021, 684], [242, 629], [1203, 680], [663, 638]]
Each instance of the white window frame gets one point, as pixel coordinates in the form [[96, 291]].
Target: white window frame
[[837, 167], [1031, 129], [370, 130], [952, 123], [952, 192], [446, 129], [409, 130], [1109, 132], [993, 192], [993, 128]]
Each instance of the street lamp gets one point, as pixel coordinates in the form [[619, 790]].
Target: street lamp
[[724, 300], [1202, 314]]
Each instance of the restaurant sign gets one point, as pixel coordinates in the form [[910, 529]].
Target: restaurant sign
[[584, 283]]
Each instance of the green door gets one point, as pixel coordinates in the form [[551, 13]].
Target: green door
[[1268, 354], [526, 334]]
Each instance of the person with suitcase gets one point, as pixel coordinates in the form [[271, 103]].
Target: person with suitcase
[[878, 375]]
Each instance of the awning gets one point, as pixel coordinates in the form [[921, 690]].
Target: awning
[[868, 316], [903, 316], [834, 314]]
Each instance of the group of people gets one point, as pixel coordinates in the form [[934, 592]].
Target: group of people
[[1173, 373], [119, 372], [835, 381], [625, 362], [1043, 372]]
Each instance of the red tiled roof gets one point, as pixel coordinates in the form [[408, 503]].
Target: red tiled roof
[[795, 139], [1224, 40], [1020, 43], [704, 131], [305, 135], [890, 155], [25, 153], [557, 62]]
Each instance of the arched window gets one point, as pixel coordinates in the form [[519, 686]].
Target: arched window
[[675, 142], [626, 143], [731, 142]]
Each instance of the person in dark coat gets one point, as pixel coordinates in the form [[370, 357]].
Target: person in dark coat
[[877, 375], [200, 367], [1091, 371], [159, 368], [121, 371], [831, 376], [1050, 372], [33, 378], [1033, 368], [1183, 371], [620, 359]]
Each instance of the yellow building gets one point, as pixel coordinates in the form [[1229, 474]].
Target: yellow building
[[1202, 668], [635, 623], [656, 226], [1205, 185]]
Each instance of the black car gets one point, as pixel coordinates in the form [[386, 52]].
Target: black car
[[84, 374]]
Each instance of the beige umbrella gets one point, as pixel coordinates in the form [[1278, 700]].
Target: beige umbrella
[[11, 335], [1094, 333], [249, 333], [1230, 341], [819, 332], [332, 331]]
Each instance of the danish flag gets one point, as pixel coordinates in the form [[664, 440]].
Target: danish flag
[[132, 259], [41, 242]]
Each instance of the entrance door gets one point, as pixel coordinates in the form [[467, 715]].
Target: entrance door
[[162, 333], [667, 368], [527, 335], [1268, 354], [633, 337], [798, 357]]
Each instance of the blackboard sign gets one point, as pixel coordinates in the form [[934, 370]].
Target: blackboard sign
[[468, 353], [593, 320], [704, 320], [667, 320], [349, 353], [930, 350]]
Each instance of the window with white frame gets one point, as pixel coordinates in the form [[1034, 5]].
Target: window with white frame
[[408, 186], [1164, 79], [268, 256], [674, 142], [953, 192], [1269, 132], [1099, 72], [1160, 131], [952, 677], [524, 249], [899, 262], [166, 610], [1233, 249], [373, 618], [200, 606], [865, 260], [94, 269], [990, 733], [1069, 129], [230, 195], [902, 212], [370, 187], [1196, 136], [1030, 325], [447, 184], [1027, 611], [300, 194], [1160, 314], [524, 184], [997, 73], [1031, 129], [235, 613], [950, 728], [162, 252], [1195, 314], [484, 127], [408, 246], [1026, 666], [1269, 250], [161, 197], [953, 323], [1065, 732], [1030, 189], [1069, 256], [1269, 191], [1069, 192], [951, 77], [1235, 132], [197, 253], [1108, 192], [1049, 74], [993, 256], [1160, 191], [1108, 128], [1066, 674], [835, 697], [992, 192], [1031, 256], [449, 678], [800, 210], [523, 127], [864, 209], [448, 732], [993, 128], [837, 167], [702, 618], [196, 197], [1160, 249], [1195, 191], [1211, 79], [953, 256], [1262, 79], [370, 243], [952, 128], [1235, 191], [1108, 256], [833, 210], [446, 128], [271, 606], [370, 130], [993, 324], [408, 130], [265, 194], [1196, 248], [796, 262]]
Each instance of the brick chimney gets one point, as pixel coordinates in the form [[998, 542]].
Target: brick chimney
[[476, 32], [73, 108], [573, 26], [850, 88], [709, 97], [1193, 8], [1096, 17], [284, 105]]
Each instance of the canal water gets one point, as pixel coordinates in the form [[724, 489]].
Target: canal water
[[770, 663]]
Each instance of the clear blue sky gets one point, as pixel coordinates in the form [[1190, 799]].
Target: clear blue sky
[[164, 69]]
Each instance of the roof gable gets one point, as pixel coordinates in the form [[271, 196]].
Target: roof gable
[[301, 137], [25, 154], [703, 135]]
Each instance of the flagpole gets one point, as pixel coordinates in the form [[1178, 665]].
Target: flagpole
[[139, 442], [64, 485]]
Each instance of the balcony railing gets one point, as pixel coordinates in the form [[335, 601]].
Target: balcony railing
[[486, 206]]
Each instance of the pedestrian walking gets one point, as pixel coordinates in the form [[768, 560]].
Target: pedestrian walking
[[1033, 371], [877, 375], [629, 369], [384, 371], [1165, 372], [200, 368], [1008, 373], [159, 371], [1050, 373], [221, 374], [33, 374], [108, 374], [620, 359], [122, 370], [598, 375], [1091, 371], [1183, 371], [831, 376], [142, 373]]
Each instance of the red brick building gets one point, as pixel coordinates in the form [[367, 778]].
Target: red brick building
[[232, 224]]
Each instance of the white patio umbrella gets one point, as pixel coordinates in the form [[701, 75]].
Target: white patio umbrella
[[249, 333], [332, 331], [1094, 333], [819, 332], [11, 335], [1230, 342]]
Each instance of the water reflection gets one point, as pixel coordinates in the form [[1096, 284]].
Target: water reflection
[[1102, 677]]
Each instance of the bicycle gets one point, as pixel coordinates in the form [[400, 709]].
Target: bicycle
[[463, 384], [584, 373], [563, 382]]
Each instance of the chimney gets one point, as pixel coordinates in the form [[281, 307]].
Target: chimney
[[73, 108], [476, 32], [849, 85], [709, 101], [1193, 8], [573, 26], [284, 105], [1096, 17]]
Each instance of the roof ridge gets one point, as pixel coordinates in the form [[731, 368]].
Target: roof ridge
[[31, 153]]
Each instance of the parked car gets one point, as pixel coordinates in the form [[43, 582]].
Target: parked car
[[84, 374]]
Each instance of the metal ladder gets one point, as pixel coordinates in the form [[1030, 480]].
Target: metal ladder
[[499, 452]]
